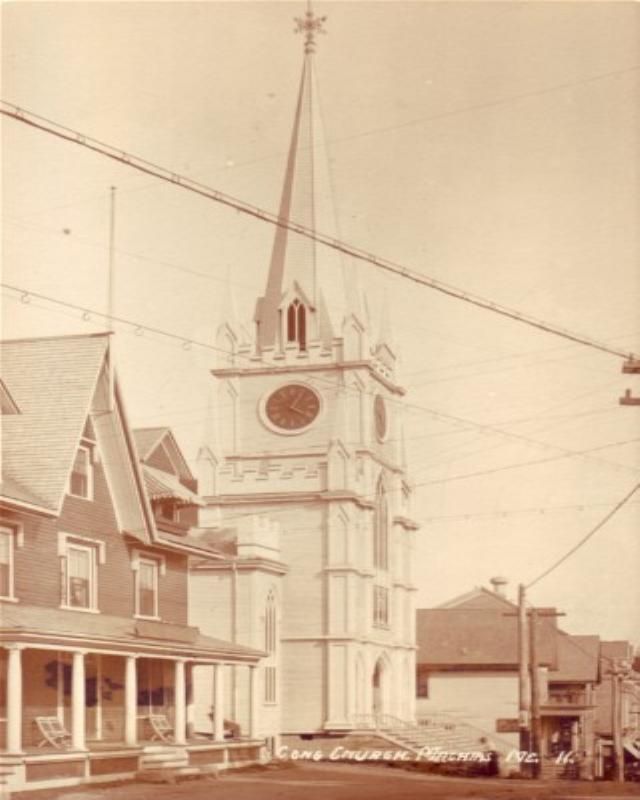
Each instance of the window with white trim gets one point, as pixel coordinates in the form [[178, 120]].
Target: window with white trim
[[147, 569], [81, 583], [79, 560], [147, 588], [6, 562], [81, 478]]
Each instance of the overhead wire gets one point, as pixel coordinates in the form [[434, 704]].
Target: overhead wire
[[135, 162], [188, 343], [619, 505]]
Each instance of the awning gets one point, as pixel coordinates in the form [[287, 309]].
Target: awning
[[164, 486], [632, 747]]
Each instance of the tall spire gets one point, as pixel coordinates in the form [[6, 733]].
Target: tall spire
[[299, 270]]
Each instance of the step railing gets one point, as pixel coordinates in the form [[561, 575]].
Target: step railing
[[381, 722], [450, 722]]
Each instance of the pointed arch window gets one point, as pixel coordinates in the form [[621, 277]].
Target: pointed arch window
[[270, 646], [297, 324], [381, 528]]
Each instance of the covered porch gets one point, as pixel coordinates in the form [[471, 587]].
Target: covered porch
[[71, 713]]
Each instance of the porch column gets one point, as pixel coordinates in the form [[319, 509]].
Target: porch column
[[253, 701], [78, 704], [191, 708], [130, 701], [180, 717], [14, 698], [218, 702]]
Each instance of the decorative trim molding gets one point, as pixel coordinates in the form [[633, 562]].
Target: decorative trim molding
[[342, 366]]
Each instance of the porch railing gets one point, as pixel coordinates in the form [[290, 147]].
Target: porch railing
[[566, 699]]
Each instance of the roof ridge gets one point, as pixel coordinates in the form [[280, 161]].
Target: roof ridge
[[54, 338]]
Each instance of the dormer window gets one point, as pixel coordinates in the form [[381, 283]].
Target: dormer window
[[81, 479], [297, 324], [169, 510]]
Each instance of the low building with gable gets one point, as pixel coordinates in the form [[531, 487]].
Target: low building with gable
[[468, 671]]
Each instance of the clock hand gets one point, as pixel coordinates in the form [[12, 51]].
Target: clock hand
[[293, 406]]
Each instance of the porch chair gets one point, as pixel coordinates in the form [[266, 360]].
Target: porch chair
[[53, 732], [161, 728]]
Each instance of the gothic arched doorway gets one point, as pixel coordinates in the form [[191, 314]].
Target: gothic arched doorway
[[380, 687]]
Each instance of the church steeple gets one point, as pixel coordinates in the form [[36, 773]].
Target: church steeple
[[307, 296]]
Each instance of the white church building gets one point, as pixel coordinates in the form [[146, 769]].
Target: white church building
[[304, 484]]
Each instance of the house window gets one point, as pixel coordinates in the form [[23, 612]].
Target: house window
[[147, 588], [380, 606], [81, 583], [81, 480], [297, 324], [381, 529], [6, 562]]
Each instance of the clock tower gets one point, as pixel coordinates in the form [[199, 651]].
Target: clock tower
[[309, 436]]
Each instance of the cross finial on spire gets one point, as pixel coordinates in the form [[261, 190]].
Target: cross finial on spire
[[310, 25]]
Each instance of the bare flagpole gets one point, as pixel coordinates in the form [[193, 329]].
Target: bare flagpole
[[111, 292]]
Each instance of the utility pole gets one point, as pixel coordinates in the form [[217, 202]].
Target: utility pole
[[523, 672], [618, 672], [535, 692], [529, 718], [631, 367]]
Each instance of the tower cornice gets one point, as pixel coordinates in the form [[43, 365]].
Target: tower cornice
[[291, 369]]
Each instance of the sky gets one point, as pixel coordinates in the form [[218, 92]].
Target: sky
[[493, 146]]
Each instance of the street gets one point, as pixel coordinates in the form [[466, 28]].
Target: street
[[338, 782]]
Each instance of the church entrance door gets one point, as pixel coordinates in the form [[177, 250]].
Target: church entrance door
[[379, 687]]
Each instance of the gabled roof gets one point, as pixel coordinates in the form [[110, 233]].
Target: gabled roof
[[64, 392], [461, 638], [147, 439], [13, 492], [480, 598], [577, 658], [150, 440], [52, 381], [617, 648]]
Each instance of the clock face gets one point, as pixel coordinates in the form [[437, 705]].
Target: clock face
[[292, 407], [380, 416]]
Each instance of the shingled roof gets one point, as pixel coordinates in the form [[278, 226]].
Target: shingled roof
[[461, 637], [52, 381], [578, 658], [478, 629]]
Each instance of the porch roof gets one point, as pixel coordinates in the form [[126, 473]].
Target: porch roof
[[162, 485], [33, 624]]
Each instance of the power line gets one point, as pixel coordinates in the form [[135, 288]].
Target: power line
[[513, 512], [519, 464], [586, 538], [135, 162], [187, 344]]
